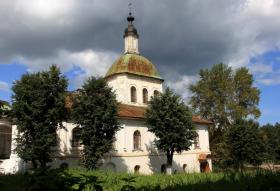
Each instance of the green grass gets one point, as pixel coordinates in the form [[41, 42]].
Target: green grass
[[73, 179]]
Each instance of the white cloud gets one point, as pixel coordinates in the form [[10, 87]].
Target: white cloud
[[4, 86], [181, 86], [92, 63], [43, 9], [256, 29], [261, 68], [269, 81]]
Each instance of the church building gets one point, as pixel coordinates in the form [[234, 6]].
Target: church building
[[135, 80]]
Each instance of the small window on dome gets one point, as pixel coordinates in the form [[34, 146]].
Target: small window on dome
[[133, 97], [145, 96]]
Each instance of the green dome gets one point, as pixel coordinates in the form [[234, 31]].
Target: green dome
[[133, 64]]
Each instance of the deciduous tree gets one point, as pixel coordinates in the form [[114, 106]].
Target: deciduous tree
[[38, 110], [171, 121], [95, 111], [223, 95]]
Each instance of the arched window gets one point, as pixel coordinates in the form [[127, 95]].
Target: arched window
[[163, 169], [136, 140], [145, 96], [156, 93], [185, 167], [76, 137], [133, 97], [136, 169], [5, 141]]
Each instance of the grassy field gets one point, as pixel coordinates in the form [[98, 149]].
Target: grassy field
[[79, 179]]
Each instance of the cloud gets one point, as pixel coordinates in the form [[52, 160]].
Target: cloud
[[89, 63], [258, 68], [179, 37], [4, 86], [181, 86]]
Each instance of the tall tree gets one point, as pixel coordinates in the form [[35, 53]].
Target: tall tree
[[95, 111], [171, 121], [223, 95], [244, 143], [38, 109]]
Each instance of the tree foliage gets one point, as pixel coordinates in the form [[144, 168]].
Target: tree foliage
[[244, 143], [171, 121], [95, 111], [270, 135], [38, 110], [223, 95]]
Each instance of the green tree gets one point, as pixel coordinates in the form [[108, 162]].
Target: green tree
[[38, 110], [171, 121], [95, 111], [244, 143], [270, 135], [223, 95]]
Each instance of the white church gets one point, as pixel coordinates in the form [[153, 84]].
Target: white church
[[135, 80]]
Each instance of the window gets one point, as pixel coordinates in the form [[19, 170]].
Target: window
[[136, 140], [133, 97], [145, 96], [163, 169], [185, 167], [196, 142], [156, 93], [76, 137], [136, 169], [5, 141]]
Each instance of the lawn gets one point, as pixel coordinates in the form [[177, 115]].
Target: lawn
[[80, 179]]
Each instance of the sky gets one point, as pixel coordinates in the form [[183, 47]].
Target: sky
[[180, 37]]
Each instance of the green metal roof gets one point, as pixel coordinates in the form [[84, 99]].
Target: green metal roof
[[133, 64]]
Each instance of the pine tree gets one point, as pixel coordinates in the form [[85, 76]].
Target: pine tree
[[95, 111], [38, 110], [171, 121]]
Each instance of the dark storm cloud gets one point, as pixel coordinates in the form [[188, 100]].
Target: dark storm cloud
[[180, 37]]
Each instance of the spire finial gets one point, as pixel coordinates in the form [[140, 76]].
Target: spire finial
[[129, 7], [130, 18]]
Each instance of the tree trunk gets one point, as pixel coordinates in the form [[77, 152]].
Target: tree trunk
[[169, 161]]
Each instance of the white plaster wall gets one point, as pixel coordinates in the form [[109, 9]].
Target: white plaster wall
[[151, 163], [122, 83], [124, 157], [131, 44], [148, 157]]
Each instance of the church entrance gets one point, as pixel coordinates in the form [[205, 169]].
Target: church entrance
[[204, 166], [163, 169], [136, 169]]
